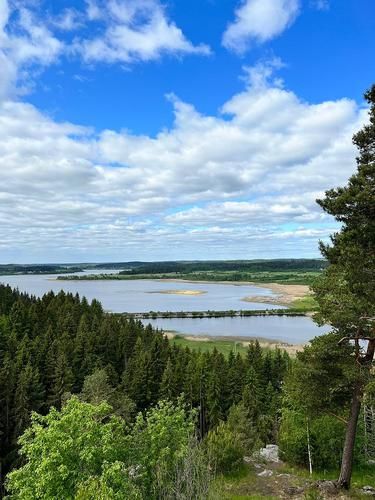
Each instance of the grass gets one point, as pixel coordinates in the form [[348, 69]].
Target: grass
[[305, 304], [245, 485], [363, 475], [223, 346]]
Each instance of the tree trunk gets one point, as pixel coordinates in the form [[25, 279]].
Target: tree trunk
[[351, 428], [351, 431]]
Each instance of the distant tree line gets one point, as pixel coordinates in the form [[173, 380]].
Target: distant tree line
[[239, 265], [8, 269]]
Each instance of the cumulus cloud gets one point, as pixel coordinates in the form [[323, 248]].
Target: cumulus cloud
[[136, 30], [257, 21], [25, 42], [125, 33], [227, 181]]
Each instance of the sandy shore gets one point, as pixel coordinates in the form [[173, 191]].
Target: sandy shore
[[180, 292], [291, 349], [284, 294]]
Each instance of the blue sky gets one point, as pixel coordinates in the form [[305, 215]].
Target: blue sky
[[142, 129]]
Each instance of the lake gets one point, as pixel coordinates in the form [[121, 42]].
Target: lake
[[147, 295], [292, 330]]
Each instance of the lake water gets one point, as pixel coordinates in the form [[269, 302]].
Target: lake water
[[134, 296], [292, 330]]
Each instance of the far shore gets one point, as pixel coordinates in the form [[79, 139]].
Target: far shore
[[291, 349]]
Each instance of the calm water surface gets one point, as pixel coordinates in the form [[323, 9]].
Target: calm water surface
[[293, 330], [135, 296]]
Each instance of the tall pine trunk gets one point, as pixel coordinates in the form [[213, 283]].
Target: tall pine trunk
[[351, 431]]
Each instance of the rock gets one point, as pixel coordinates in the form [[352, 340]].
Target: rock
[[270, 453], [291, 491], [247, 460], [368, 490], [329, 487], [265, 473]]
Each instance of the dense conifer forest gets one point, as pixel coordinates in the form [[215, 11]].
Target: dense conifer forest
[[50, 346]]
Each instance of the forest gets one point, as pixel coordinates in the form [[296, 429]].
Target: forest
[[9, 269], [57, 346]]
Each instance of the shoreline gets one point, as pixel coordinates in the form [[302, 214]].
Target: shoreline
[[291, 349], [283, 294]]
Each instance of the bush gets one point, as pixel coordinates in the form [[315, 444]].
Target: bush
[[224, 448], [326, 440], [292, 438], [83, 452]]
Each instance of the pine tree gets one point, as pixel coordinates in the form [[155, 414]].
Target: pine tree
[[346, 292]]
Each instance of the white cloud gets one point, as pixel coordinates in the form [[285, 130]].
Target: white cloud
[[136, 30], [23, 43], [257, 21], [68, 20], [126, 32], [226, 182]]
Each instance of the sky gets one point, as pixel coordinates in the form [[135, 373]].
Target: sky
[[177, 129]]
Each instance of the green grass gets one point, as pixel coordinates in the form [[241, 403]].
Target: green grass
[[242, 485], [306, 304], [223, 346], [245, 485], [362, 475]]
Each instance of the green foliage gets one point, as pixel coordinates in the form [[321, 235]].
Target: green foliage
[[323, 376], [346, 290], [307, 303], [84, 452], [191, 478], [239, 424], [290, 277], [326, 435], [327, 438], [331, 375], [112, 484], [96, 389], [293, 438], [59, 345], [224, 448], [64, 449], [223, 346], [159, 441]]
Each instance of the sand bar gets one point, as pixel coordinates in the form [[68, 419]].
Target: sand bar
[[180, 292], [284, 294]]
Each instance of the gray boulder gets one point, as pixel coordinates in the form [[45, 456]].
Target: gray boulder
[[270, 453]]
